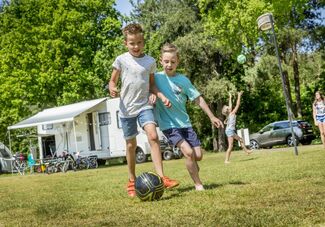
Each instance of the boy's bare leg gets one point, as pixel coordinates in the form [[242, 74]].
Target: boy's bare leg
[[156, 155], [198, 153], [131, 146], [198, 156], [155, 148], [321, 127], [230, 146], [190, 161]]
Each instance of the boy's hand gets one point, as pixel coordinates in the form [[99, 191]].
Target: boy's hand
[[113, 91], [216, 122], [166, 102], [152, 99], [240, 93]]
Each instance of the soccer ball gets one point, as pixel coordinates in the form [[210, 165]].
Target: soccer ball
[[149, 186], [241, 59]]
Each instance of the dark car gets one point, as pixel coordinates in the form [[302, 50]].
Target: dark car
[[279, 133]]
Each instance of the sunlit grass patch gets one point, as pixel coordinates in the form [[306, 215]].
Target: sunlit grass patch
[[271, 187]]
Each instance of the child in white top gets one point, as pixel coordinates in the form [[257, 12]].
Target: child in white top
[[319, 114], [231, 126]]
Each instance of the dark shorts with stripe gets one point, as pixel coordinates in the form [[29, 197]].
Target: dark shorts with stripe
[[175, 135]]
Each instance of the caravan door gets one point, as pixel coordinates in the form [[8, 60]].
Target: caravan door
[[104, 121]]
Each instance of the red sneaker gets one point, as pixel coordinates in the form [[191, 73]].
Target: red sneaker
[[169, 183], [130, 188]]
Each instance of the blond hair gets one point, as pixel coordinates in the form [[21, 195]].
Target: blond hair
[[132, 29], [170, 48]]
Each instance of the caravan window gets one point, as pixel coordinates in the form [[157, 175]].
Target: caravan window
[[104, 118], [119, 125], [47, 127]]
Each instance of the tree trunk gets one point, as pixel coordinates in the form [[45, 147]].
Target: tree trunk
[[218, 134], [296, 79], [287, 90], [214, 133], [221, 142]]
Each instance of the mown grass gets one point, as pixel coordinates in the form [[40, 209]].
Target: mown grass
[[268, 188]]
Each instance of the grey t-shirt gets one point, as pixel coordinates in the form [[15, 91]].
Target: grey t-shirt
[[134, 96]]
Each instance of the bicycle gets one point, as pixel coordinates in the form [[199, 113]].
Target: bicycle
[[69, 163], [92, 160], [54, 166], [19, 164]]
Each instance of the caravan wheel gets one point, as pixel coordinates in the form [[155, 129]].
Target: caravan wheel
[[140, 156]]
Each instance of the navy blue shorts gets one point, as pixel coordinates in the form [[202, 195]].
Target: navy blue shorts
[[175, 135]]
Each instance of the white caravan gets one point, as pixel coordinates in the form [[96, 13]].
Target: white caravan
[[90, 128]]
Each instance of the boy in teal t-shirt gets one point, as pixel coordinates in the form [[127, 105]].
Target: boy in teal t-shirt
[[174, 121]]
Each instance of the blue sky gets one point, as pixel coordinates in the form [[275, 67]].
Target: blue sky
[[123, 6]]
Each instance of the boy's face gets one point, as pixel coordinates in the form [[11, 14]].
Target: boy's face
[[169, 62], [135, 44]]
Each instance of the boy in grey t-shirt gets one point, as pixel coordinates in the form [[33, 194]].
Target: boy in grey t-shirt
[[137, 75]]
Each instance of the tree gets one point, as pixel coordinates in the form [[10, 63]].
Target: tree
[[234, 25], [202, 60], [54, 52]]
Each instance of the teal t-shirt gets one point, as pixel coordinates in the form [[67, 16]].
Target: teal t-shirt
[[178, 89]]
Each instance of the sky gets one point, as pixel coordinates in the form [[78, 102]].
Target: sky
[[123, 6]]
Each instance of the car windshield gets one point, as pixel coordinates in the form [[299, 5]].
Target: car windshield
[[3, 152], [267, 128], [281, 125]]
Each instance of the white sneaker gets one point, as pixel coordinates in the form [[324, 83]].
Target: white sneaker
[[199, 187]]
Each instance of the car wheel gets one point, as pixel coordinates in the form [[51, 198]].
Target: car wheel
[[290, 142], [253, 145], [168, 155], [140, 156]]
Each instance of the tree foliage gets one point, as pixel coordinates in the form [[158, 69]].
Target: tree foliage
[[211, 34], [53, 53]]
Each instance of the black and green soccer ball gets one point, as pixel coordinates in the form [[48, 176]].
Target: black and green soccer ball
[[149, 186]]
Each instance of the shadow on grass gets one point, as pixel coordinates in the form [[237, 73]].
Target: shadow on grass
[[249, 159], [237, 182], [178, 192]]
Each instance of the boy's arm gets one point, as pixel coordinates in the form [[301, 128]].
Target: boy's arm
[[112, 85], [204, 106], [154, 90], [234, 111]]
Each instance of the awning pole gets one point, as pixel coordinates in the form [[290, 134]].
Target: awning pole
[[9, 141], [75, 135], [12, 169]]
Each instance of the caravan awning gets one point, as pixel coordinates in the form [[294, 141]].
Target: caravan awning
[[58, 114]]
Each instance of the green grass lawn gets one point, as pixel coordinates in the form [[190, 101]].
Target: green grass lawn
[[271, 187]]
